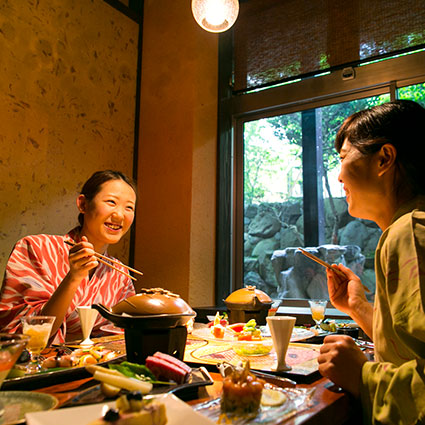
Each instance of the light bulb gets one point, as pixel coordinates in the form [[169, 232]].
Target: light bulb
[[215, 15]]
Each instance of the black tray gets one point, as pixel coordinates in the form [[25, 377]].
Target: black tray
[[89, 392], [46, 379]]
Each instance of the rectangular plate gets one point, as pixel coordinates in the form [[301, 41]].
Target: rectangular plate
[[178, 412], [45, 379], [90, 392]]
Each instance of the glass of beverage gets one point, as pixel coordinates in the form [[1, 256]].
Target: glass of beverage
[[88, 317], [11, 347], [38, 329], [318, 309]]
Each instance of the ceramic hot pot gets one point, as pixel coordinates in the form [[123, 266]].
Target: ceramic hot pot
[[153, 320], [248, 303]]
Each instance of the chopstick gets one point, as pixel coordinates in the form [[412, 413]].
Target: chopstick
[[327, 265], [100, 258]]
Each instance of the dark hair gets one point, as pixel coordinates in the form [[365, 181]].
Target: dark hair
[[400, 123], [93, 185]]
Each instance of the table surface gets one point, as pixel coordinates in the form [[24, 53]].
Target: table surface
[[329, 404]]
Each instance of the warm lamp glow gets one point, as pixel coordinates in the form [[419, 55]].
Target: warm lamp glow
[[215, 15]]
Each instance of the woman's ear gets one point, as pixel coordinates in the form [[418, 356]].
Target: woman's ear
[[82, 203], [386, 158]]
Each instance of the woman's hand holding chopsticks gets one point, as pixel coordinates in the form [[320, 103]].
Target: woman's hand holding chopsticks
[[107, 261], [347, 295], [82, 259]]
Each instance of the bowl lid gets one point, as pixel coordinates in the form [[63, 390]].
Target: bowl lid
[[248, 296], [152, 301]]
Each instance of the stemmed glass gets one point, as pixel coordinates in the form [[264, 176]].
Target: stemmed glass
[[88, 317], [38, 328], [11, 347], [318, 309]]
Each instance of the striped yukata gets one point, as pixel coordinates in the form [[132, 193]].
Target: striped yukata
[[37, 266]]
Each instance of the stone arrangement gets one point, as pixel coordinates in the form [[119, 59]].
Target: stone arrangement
[[273, 231]]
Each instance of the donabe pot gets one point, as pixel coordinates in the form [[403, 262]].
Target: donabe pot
[[248, 303], [146, 334]]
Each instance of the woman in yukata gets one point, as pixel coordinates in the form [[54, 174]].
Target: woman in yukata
[[382, 153], [45, 276]]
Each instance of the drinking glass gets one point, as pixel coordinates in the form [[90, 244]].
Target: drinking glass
[[88, 317], [281, 329], [11, 347], [38, 329], [318, 309]]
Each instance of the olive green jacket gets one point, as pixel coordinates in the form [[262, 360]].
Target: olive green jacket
[[393, 387]]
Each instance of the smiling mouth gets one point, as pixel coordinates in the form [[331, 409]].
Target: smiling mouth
[[113, 226]]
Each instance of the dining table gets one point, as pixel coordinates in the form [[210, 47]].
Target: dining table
[[328, 404]]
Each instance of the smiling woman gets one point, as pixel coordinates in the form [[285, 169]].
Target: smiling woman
[[45, 276]]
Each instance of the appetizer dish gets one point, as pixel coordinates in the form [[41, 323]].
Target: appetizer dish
[[253, 348], [241, 391], [132, 409], [63, 359], [160, 369], [247, 399], [222, 330]]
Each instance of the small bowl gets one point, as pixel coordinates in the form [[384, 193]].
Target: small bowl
[[350, 331], [253, 348]]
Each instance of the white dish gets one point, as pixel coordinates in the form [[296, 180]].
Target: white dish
[[178, 412], [110, 328], [298, 334]]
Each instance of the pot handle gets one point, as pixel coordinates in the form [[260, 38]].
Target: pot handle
[[104, 311]]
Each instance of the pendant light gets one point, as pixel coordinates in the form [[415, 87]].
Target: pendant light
[[215, 15]]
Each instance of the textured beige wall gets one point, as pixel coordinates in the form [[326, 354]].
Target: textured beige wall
[[175, 228], [67, 96]]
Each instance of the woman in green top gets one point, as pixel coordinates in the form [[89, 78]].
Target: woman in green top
[[382, 153]]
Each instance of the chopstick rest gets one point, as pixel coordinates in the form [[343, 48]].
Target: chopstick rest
[[100, 258]]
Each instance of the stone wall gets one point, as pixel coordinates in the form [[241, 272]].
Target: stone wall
[[273, 231]]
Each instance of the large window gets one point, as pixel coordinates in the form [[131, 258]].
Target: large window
[[283, 190], [274, 218]]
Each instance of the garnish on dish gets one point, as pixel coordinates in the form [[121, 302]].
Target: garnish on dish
[[241, 391], [132, 409], [160, 369], [250, 332], [218, 325]]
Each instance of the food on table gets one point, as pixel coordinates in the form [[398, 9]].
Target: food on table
[[167, 367], [109, 391], [218, 325], [117, 379], [253, 348], [153, 301], [221, 319], [241, 391], [250, 332], [236, 327], [272, 398], [79, 358], [132, 409]]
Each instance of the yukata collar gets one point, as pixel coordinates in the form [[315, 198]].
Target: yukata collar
[[416, 203]]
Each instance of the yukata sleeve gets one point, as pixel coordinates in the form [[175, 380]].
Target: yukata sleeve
[[28, 282], [393, 395], [394, 392]]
